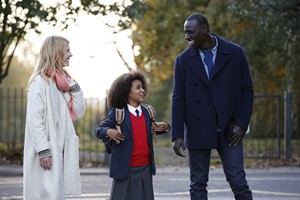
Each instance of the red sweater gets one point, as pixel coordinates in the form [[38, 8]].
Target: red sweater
[[140, 151]]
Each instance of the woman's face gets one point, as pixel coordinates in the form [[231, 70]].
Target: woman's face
[[66, 57], [137, 93]]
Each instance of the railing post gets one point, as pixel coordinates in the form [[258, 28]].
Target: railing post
[[1, 116], [279, 153], [288, 124]]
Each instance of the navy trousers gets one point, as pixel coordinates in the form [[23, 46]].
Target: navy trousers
[[233, 165]]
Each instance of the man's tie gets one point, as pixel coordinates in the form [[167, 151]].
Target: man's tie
[[208, 59], [137, 113]]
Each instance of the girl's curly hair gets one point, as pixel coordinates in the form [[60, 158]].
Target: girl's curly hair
[[118, 93]]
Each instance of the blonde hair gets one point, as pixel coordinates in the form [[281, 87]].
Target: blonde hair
[[51, 57]]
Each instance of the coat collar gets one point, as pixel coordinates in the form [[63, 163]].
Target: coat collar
[[195, 62]]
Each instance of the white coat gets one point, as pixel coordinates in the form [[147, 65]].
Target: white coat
[[49, 126]]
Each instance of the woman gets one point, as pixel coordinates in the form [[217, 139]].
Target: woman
[[54, 100]]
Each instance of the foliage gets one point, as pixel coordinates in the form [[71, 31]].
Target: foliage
[[20, 75], [158, 38], [278, 21], [275, 25], [268, 30], [18, 17], [11, 155], [158, 35]]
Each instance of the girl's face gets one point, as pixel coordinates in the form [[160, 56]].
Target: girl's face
[[137, 93], [67, 56]]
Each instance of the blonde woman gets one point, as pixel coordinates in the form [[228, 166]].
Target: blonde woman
[[54, 100]]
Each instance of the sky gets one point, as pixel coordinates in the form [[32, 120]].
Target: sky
[[95, 62]]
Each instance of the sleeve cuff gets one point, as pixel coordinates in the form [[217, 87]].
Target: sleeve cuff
[[74, 87], [44, 153]]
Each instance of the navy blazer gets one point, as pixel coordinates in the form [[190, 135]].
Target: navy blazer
[[121, 153], [201, 106]]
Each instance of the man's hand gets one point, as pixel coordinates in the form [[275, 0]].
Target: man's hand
[[178, 146], [46, 163], [238, 134], [115, 135]]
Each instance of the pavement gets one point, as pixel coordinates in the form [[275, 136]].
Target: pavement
[[276, 183]]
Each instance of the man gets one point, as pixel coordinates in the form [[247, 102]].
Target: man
[[211, 106]]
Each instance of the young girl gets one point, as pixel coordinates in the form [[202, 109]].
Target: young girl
[[54, 100], [132, 156]]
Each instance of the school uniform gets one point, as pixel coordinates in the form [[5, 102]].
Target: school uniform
[[132, 161]]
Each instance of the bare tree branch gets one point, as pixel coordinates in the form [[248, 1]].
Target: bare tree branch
[[121, 56]]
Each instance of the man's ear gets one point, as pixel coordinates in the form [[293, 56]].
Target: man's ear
[[204, 28]]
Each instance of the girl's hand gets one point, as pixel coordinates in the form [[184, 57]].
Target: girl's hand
[[161, 127], [46, 163], [115, 135]]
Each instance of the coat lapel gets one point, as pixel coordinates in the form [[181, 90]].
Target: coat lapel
[[223, 55], [196, 65]]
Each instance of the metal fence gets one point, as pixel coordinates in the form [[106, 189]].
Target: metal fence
[[264, 140]]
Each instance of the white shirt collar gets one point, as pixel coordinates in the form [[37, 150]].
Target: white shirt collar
[[214, 50], [132, 109]]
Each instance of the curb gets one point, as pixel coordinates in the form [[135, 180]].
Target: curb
[[7, 170]]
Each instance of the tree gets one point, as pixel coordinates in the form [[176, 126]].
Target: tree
[[279, 23], [279, 20], [158, 38], [17, 17], [21, 72]]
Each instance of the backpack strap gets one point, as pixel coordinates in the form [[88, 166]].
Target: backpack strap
[[120, 114], [152, 114]]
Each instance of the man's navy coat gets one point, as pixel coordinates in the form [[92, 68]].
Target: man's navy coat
[[201, 106]]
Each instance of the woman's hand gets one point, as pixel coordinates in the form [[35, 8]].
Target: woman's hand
[[46, 163]]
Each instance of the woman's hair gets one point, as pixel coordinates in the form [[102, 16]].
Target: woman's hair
[[119, 90], [51, 56]]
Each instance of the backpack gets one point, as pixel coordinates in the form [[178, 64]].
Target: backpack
[[119, 117], [120, 114]]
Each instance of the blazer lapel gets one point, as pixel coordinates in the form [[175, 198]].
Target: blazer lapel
[[128, 121], [148, 122], [196, 65]]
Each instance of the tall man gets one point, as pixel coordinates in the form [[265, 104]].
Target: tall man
[[211, 106]]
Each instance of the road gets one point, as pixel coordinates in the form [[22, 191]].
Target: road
[[172, 183]]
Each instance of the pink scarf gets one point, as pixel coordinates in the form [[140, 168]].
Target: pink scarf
[[63, 85]]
